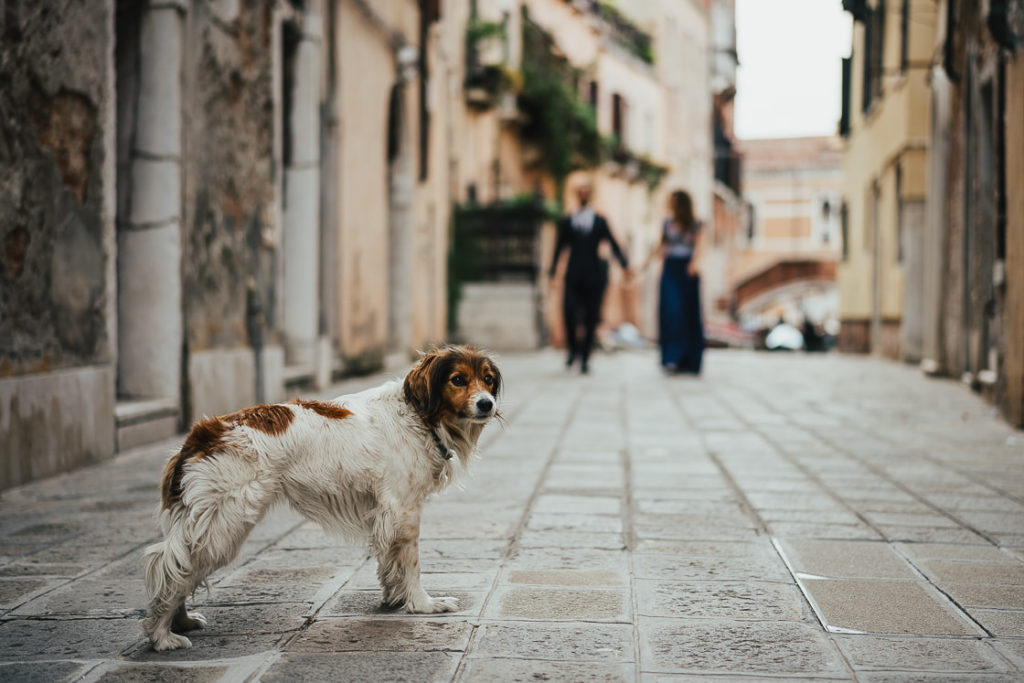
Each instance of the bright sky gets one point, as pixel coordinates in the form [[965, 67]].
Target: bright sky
[[789, 80]]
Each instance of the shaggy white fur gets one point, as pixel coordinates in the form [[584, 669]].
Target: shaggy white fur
[[361, 465]]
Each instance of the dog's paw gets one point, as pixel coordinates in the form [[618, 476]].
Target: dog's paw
[[191, 621], [171, 641], [433, 605]]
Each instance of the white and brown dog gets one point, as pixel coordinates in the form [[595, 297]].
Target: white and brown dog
[[361, 465]]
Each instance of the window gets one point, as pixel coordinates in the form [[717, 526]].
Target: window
[[593, 94], [844, 229], [619, 118], [905, 36], [872, 197], [899, 213], [751, 223], [827, 217], [874, 49], [844, 116]]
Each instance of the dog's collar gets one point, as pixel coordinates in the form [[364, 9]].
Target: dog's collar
[[445, 453]]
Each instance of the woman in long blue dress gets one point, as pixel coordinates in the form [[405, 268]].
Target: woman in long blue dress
[[680, 326]]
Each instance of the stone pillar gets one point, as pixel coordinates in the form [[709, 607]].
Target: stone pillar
[[302, 196], [149, 236], [401, 184], [936, 227]]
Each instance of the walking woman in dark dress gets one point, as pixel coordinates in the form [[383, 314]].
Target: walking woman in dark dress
[[680, 326]]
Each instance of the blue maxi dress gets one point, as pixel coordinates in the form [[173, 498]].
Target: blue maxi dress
[[680, 327]]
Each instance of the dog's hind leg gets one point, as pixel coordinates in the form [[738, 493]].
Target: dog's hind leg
[[168, 580], [185, 621], [200, 539], [396, 544]]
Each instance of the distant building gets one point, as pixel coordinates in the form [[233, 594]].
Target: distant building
[[886, 123], [728, 211], [784, 261]]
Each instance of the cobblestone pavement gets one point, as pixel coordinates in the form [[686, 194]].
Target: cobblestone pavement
[[783, 516]]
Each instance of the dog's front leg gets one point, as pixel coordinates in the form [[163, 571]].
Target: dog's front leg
[[396, 537]]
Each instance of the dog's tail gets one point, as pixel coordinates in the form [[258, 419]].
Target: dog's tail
[[168, 566]]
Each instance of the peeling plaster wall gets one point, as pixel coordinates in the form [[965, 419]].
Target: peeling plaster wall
[[53, 98], [56, 237], [231, 250]]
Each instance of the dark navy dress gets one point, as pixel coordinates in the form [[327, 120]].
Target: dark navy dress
[[680, 327]]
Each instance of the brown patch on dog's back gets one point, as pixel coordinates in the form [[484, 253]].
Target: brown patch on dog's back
[[204, 438], [270, 419], [324, 409]]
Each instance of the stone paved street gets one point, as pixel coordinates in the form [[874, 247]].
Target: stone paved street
[[822, 517]]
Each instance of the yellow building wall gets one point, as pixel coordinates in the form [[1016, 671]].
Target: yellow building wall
[[366, 72], [365, 75], [893, 131]]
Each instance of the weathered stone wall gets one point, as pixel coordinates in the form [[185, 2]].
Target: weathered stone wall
[[54, 84], [228, 197], [56, 237], [230, 251]]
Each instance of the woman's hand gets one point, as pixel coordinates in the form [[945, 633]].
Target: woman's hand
[[691, 269]]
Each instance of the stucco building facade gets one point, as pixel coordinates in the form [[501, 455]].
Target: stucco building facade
[[213, 203], [886, 124], [933, 250], [210, 204]]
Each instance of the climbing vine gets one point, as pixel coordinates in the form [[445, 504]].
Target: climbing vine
[[558, 123]]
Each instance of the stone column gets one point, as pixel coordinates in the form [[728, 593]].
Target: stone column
[[302, 196], [401, 186], [936, 227], [149, 237]]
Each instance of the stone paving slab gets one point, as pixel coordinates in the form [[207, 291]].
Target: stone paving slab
[[780, 518], [42, 671], [940, 655], [413, 667], [846, 559], [884, 606], [556, 642], [755, 600], [715, 647]]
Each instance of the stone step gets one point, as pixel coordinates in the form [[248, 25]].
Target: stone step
[[142, 421]]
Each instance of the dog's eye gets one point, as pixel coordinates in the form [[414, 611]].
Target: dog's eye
[[488, 380], [459, 381]]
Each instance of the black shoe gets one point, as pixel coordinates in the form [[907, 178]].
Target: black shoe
[[570, 360], [584, 368]]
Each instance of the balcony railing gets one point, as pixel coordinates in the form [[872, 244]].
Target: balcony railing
[[622, 30]]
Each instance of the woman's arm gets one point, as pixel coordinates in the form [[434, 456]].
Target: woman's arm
[[657, 252], [696, 260]]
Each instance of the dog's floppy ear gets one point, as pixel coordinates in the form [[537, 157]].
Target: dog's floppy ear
[[424, 384]]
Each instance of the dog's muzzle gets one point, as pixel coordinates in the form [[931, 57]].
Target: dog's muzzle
[[484, 406]]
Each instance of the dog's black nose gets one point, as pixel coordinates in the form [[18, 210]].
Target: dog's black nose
[[484, 405]]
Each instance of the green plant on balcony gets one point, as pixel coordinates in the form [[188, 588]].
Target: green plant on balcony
[[486, 75], [635, 166], [477, 31], [559, 124], [625, 32], [651, 172]]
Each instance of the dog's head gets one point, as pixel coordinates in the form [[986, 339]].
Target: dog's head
[[454, 383]]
